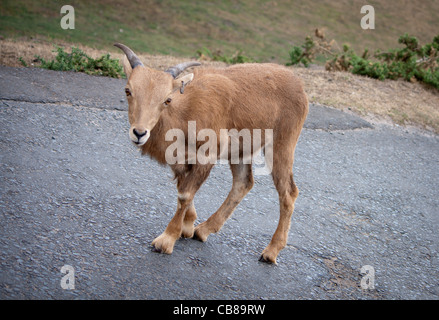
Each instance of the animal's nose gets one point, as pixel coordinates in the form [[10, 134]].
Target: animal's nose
[[139, 134]]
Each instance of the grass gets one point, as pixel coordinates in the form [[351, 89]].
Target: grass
[[263, 30]]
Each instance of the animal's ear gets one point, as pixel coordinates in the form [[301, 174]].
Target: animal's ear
[[182, 82], [126, 66]]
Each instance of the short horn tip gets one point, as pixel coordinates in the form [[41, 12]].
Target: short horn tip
[[132, 58]]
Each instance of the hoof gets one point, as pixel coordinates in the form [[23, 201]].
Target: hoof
[[154, 249], [163, 244], [262, 259], [200, 234], [268, 256], [188, 231], [197, 237]]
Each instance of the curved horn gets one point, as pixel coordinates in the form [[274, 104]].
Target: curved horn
[[179, 68], [132, 58]]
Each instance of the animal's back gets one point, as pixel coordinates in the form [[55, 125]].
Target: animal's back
[[263, 95]]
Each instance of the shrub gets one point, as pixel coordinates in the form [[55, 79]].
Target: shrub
[[307, 52], [412, 63], [79, 61]]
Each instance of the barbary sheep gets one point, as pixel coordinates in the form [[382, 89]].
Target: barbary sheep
[[245, 98]]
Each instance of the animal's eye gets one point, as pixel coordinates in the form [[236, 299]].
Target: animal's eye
[[168, 101], [127, 92]]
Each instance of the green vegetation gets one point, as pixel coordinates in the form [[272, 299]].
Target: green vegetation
[[22, 61], [262, 29], [311, 50], [81, 62], [412, 62], [303, 54]]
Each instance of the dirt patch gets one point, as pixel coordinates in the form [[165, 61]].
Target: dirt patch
[[401, 102], [344, 279]]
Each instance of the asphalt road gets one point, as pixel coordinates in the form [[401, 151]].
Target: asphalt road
[[74, 191]]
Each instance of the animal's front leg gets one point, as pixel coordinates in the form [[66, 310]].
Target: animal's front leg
[[165, 242], [189, 180], [188, 222]]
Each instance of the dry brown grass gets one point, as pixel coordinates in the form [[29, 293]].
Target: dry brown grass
[[12, 50], [402, 102]]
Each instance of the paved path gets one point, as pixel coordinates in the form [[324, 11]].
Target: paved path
[[74, 191]]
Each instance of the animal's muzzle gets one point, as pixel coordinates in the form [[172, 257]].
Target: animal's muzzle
[[138, 136]]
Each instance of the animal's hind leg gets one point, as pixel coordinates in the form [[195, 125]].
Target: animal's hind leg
[[288, 193], [242, 183]]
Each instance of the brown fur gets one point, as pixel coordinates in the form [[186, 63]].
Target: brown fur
[[246, 96]]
